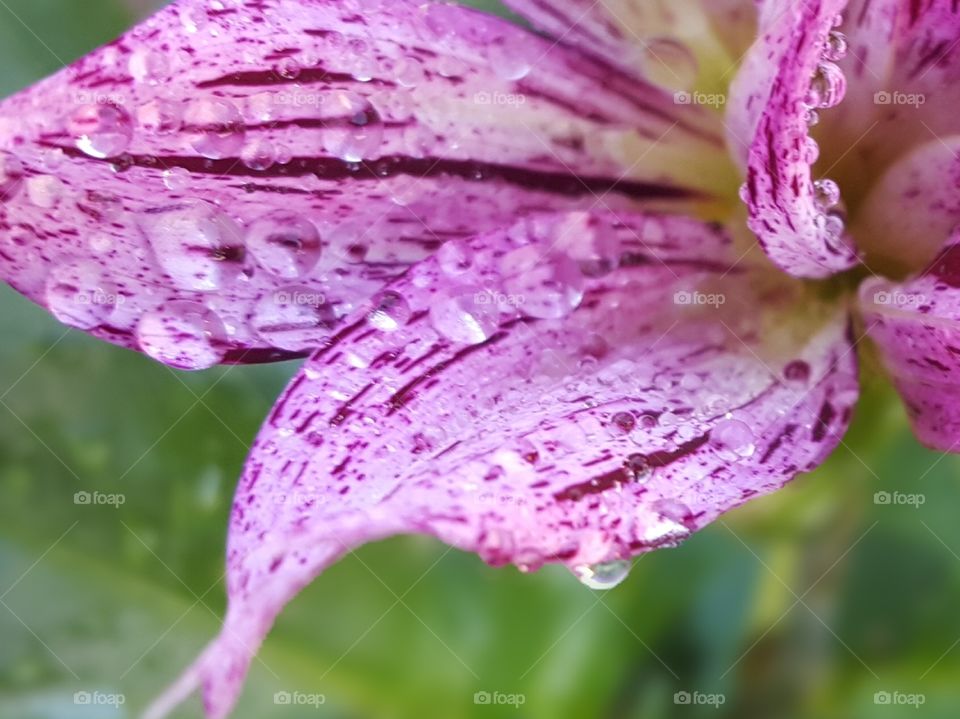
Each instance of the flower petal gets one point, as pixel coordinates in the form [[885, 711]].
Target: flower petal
[[916, 325], [787, 76], [518, 397], [244, 176]]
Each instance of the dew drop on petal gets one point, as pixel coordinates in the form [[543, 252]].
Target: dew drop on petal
[[605, 575], [409, 72], [390, 313], [148, 66], [284, 243], [259, 155], [176, 179], [827, 87], [11, 176], [101, 130], [196, 243], [183, 334], [460, 317], [622, 423], [354, 130], [638, 466], [508, 57], [546, 285], [826, 194], [836, 47], [797, 371], [288, 68], [455, 258], [733, 439], [295, 318], [215, 128]]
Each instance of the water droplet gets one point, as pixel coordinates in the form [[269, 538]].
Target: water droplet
[[215, 128], [409, 72], [183, 334], [827, 87], [836, 47], [295, 318], [176, 179], [733, 439], [391, 312], [355, 130], [508, 57], [669, 64], [605, 575], [288, 68], [811, 151], [622, 423], [590, 240], [78, 295], [826, 194], [160, 117], [284, 243], [546, 284], [259, 155], [101, 130], [44, 191], [196, 243], [797, 371], [460, 318], [638, 467], [455, 258], [812, 118], [100, 243], [148, 66]]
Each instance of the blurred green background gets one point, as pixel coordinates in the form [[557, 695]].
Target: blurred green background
[[804, 604]]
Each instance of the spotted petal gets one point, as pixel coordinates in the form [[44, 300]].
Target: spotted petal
[[916, 325], [519, 397], [789, 76], [228, 183]]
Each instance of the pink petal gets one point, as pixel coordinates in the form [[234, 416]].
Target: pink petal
[[916, 325], [227, 184], [787, 75], [582, 417]]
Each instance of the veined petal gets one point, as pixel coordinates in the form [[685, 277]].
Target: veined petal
[[916, 325], [520, 397], [788, 76], [228, 183]]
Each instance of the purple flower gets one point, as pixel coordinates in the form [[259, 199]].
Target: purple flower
[[540, 325]]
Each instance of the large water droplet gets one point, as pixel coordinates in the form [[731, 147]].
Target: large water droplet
[[78, 294], [827, 87], [295, 318], [455, 258], [101, 130], [408, 71], [284, 243], [605, 575], [733, 439], [176, 179], [669, 64], [215, 127], [182, 334], [462, 318], [196, 243], [391, 312], [590, 240], [546, 284], [509, 57], [836, 46], [259, 155], [354, 130]]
